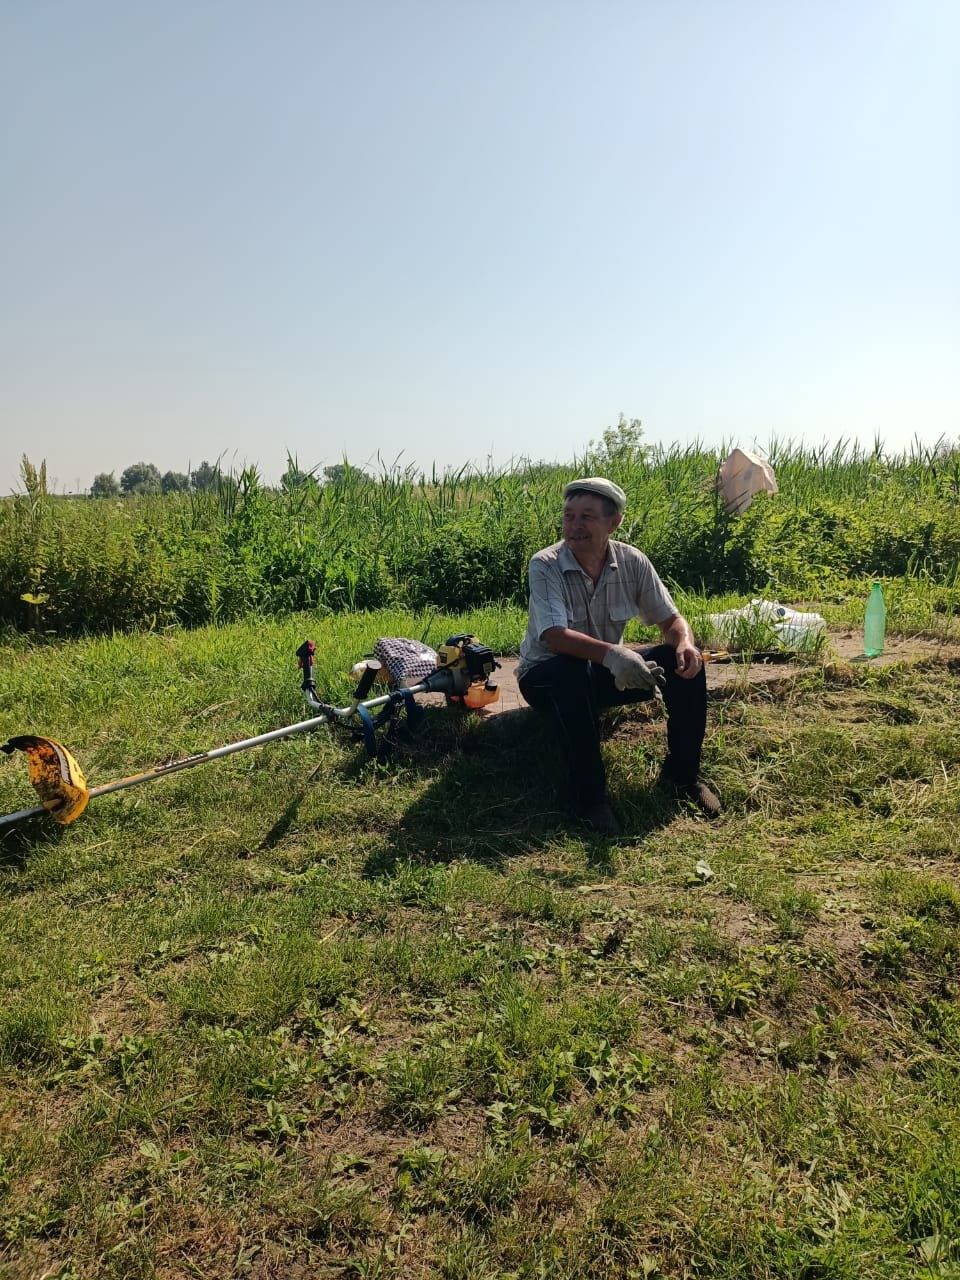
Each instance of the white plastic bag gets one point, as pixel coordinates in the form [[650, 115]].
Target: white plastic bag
[[742, 475], [762, 619]]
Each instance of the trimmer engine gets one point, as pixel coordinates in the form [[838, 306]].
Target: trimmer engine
[[467, 652]]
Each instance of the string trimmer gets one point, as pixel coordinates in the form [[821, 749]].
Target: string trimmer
[[461, 669]]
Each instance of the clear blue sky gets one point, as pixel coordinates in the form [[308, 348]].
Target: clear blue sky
[[459, 231]]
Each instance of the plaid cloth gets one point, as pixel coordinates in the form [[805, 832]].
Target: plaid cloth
[[405, 660]]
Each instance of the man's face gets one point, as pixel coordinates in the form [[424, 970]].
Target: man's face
[[586, 525]]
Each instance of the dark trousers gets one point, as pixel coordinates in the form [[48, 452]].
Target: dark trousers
[[574, 692]]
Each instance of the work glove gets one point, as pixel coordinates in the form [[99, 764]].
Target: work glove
[[629, 670]]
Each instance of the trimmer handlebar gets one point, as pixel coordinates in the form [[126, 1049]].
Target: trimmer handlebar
[[306, 656]]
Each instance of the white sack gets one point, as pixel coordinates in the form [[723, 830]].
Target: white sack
[[741, 476]]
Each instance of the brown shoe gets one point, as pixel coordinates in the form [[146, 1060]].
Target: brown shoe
[[706, 800], [600, 818]]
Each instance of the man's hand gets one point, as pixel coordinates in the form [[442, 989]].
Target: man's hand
[[689, 660], [629, 670]]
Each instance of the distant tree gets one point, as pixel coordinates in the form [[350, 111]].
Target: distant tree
[[174, 482], [341, 472], [204, 479], [105, 486], [295, 478], [142, 477], [618, 448], [620, 445]]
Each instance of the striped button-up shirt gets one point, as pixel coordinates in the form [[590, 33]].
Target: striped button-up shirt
[[562, 594]]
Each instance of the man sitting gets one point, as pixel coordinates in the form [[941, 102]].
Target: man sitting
[[583, 591]]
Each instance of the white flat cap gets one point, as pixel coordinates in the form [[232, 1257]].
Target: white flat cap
[[598, 485]]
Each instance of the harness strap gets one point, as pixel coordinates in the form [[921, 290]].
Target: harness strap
[[369, 724], [369, 730], [413, 710]]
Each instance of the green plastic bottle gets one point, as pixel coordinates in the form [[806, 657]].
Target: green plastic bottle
[[874, 622]]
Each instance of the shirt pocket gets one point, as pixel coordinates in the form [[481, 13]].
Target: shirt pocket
[[620, 614]]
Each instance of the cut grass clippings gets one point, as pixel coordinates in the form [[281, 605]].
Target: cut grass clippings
[[299, 1013]]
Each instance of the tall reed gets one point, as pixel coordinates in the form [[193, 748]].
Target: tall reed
[[461, 536]]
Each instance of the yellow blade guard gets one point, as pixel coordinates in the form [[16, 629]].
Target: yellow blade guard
[[57, 778]]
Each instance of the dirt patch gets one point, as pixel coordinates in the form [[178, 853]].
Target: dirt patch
[[843, 648]]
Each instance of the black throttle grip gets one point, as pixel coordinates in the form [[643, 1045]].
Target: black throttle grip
[[370, 673]]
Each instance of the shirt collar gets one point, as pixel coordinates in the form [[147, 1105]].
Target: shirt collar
[[568, 562]]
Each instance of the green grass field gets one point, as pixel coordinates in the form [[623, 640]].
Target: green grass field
[[298, 1014]]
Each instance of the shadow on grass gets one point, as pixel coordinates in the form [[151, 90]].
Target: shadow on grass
[[18, 841], [289, 816], [498, 792]]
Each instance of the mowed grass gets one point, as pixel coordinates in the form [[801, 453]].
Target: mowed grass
[[303, 1014]]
